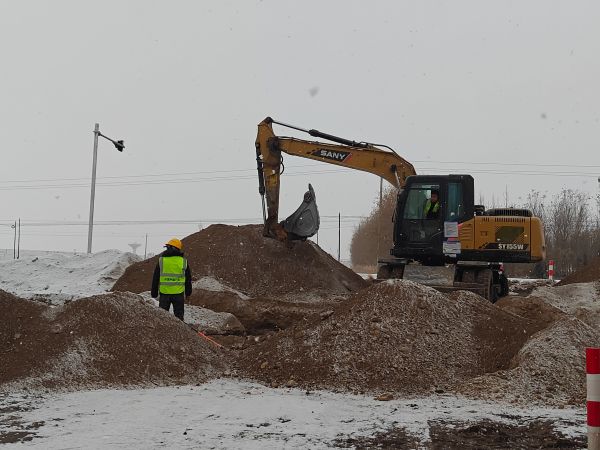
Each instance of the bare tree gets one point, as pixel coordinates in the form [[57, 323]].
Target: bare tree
[[374, 234]]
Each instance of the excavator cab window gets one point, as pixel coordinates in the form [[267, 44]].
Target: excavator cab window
[[416, 201], [455, 205]]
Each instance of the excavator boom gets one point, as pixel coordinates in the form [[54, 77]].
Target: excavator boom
[[385, 163]]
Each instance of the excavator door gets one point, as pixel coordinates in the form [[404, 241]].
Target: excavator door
[[304, 222], [419, 229]]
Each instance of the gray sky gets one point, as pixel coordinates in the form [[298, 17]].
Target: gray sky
[[186, 83]]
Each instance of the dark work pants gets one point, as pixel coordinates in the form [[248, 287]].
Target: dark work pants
[[165, 301]]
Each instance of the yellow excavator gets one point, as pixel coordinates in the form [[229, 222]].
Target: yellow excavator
[[477, 241]]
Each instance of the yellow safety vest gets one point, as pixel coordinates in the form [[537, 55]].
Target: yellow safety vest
[[435, 209], [172, 274]]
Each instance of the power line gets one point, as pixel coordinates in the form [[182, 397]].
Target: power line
[[203, 221], [124, 178], [149, 175], [584, 166], [447, 170], [229, 179], [156, 182]]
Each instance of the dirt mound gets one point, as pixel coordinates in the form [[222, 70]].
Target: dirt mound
[[526, 286], [581, 300], [257, 266], [541, 313], [397, 336], [106, 340], [259, 315], [548, 370], [586, 274]]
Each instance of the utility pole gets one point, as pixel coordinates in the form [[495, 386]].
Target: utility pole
[[15, 240], [119, 145], [146, 246], [339, 235], [93, 194]]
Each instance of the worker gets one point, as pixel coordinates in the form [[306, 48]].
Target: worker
[[432, 206], [172, 279]]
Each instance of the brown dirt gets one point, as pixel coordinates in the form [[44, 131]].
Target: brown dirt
[[541, 313], [394, 336], [586, 274], [260, 315], [537, 434], [243, 259], [548, 370], [106, 340]]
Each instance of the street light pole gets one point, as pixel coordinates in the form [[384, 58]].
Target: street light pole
[[93, 194], [119, 145], [15, 240]]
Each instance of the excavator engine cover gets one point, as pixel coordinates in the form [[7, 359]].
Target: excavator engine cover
[[305, 222]]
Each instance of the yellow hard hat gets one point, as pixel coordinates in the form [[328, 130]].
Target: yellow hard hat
[[175, 243]]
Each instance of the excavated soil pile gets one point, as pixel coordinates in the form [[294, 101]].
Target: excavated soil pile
[[243, 259], [258, 315], [541, 313], [261, 315], [106, 340], [394, 336], [586, 274], [548, 370]]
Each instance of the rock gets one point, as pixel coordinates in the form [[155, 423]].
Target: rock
[[291, 383], [326, 314], [264, 365], [213, 323], [384, 397]]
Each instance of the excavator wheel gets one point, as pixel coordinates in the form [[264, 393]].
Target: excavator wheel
[[478, 280], [504, 287], [384, 272], [485, 278]]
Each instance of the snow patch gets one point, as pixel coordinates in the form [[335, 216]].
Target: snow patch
[[213, 285], [234, 414], [57, 277]]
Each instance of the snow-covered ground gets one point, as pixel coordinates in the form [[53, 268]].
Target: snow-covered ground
[[235, 414], [213, 285], [55, 277]]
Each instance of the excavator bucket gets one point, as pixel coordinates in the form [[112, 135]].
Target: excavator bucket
[[305, 222]]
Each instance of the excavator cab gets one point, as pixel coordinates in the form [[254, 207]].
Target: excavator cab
[[425, 228]]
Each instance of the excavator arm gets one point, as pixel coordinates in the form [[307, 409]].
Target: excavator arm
[[385, 163]]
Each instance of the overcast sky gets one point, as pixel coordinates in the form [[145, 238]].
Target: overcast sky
[[452, 86]]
